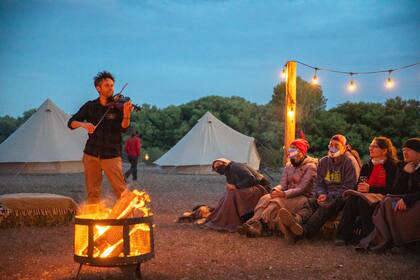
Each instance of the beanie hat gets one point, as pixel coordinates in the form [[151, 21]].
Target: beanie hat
[[340, 138], [301, 144], [413, 143]]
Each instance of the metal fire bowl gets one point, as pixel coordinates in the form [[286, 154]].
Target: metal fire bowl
[[115, 261]]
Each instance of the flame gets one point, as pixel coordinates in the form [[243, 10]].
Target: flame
[[108, 239]]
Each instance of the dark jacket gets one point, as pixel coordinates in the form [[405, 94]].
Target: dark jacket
[[407, 185], [390, 169], [243, 176], [105, 142]]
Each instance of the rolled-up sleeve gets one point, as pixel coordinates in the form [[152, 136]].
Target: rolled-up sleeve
[[80, 116]]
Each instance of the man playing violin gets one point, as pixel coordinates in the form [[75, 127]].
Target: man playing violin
[[104, 124]]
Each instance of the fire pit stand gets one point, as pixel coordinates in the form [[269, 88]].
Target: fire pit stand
[[129, 264]]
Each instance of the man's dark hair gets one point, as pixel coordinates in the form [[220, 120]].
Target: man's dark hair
[[102, 76]]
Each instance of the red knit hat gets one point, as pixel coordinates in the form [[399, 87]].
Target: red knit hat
[[301, 144]]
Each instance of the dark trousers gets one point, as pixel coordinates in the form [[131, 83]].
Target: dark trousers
[[314, 216], [133, 168], [354, 208]]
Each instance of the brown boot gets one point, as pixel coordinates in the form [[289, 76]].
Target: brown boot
[[290, 222], [289, 237], [253, 228]]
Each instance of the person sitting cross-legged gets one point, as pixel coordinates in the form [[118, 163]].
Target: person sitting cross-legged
[[293, 191]]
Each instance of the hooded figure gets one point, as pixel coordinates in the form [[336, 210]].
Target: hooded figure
[[244, 187]]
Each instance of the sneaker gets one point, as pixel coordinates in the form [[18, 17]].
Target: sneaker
[[289, 221]]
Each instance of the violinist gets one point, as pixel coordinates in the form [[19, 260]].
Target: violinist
[[104, 124]]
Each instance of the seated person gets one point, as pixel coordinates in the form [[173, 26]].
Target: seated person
[[397, 218], [293, 191], [376, 176], [336, 173], [244, 188]]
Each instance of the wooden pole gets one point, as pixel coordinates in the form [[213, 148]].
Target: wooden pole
[[289, 108]]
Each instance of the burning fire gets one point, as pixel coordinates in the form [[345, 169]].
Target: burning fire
[[108, 240]]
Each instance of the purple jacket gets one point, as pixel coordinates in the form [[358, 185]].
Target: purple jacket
[[299, 180]]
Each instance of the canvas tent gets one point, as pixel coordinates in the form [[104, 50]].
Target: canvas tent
[[44, 144], [207, 140]]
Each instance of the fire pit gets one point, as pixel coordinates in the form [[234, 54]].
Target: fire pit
[[120, 237]]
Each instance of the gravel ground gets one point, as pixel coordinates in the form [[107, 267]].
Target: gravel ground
[[184, 251]]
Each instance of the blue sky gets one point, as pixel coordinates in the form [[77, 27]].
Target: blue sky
[[172, 52]]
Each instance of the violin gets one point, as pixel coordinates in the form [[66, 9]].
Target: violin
[[117, 101]]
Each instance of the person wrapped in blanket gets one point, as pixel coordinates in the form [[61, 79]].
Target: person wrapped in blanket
[[292, 193], [397, 217], [244, 187], [336, 172], [375, 181]]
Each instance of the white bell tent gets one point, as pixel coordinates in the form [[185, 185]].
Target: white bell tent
[[208, 140]]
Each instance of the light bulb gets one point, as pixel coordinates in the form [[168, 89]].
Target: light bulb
[[352, 85], [291, 113], [283, 74], [146, 156], [315, 80], [389, 82]]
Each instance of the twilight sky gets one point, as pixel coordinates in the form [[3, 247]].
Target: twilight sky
[[172, 52]]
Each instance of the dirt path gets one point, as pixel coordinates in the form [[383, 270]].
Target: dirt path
[[183, 251]]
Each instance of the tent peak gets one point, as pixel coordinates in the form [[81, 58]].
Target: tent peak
[[48, 105]]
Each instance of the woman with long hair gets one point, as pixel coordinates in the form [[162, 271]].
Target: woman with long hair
[[376, 179]]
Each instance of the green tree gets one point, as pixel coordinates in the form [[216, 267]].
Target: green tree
[[9, 124]]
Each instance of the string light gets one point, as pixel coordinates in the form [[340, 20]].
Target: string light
[[284, 73], [352, 85], [291, 113], [146, 157], [315, 80], [389, 82]]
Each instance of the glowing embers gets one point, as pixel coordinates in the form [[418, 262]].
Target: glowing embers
[[117, 232], [121, 236], [108, 240]]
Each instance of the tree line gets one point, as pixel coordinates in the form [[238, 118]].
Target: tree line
[[162, 128]]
